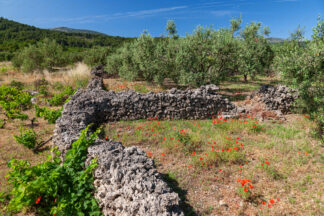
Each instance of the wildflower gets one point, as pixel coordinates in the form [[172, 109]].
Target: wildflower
[[164, 138], [106, 138], [222, 150], [210, 166], [247, 163], [263, 203], [250, 186], [238, 180], [149, 154], [272, 201], [246, 190], [267, 163], [220, 170], [190, 166], [205, 153], [201, 158], [269, 206], [163, 154], [278, 199], [193, 153], [55, 200]]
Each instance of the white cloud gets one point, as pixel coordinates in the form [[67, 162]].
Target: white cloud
[[223, 12]]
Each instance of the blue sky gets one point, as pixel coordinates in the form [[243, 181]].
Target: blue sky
[[130, 18]]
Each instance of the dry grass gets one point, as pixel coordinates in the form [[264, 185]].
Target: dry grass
[[78, 73]]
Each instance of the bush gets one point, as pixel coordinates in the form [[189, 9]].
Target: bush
[[42, 86], [13, 101], [16, 84], [55, 188], [50, 115], [96, 56], [27, 138], [45, 54], [60, 98]]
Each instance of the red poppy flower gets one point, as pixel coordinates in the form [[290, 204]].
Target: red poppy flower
[[267, 163], [272, 201], [246, 190], [247, 163], [250, 186], [201, 158], [220, 170], [278, 199], [263, 203], [106, 138], [162, 154], [38, 199], [238, 180], [193, 153], [269, 206]]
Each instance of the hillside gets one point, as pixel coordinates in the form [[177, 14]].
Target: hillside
[[71, 30], [15, 35], [275, 40]]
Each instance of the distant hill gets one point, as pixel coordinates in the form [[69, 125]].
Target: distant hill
[[15, 36], [275, 40], [71, 30]]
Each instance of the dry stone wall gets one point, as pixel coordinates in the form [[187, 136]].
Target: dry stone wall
[[127, 181], [279, 98]]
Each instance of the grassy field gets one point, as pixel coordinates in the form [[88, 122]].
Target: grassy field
[[217, 166]]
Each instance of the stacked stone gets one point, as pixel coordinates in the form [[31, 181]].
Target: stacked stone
[[128, 184], [126, 181], [279, 98]]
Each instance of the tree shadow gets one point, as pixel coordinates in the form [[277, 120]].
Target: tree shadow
[[174, 185]]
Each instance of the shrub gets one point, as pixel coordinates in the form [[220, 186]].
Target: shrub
[[50, 115], [44, 55], [27, 138], [55, 188], [96, 56], [42, 86], [13, 101], [16, 84], [60, 98]]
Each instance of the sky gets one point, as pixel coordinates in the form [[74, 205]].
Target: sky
[[130, 18]]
